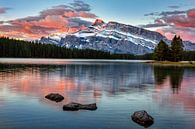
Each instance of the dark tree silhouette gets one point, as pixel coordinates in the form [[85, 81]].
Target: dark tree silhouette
[[161, 52], [173, 53], [23, 49], [176, 49]]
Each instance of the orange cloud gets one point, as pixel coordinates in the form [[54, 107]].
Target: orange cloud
[[58, 19], [79, 14]]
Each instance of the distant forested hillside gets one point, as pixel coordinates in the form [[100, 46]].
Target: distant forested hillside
[[23, 49], [12, 48]]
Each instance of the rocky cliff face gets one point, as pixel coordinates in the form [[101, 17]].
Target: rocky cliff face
[[112, 37]]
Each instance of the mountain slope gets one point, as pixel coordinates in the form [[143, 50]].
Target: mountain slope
[[112, 37]]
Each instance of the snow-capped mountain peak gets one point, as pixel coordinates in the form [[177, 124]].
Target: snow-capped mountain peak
[[112, 37], [98, 22]]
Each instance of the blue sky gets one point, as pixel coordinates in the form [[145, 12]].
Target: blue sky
[[125, 11]]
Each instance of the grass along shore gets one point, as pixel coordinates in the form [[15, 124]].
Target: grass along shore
[[169, 63]]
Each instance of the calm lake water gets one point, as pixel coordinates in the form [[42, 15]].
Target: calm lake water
[[118, 87]]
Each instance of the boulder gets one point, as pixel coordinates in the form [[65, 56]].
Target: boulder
[[55, 97], [77, 106], [142, 118]]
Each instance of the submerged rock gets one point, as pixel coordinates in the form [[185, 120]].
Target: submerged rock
[[78, 106], [142, 118], [55, 97]]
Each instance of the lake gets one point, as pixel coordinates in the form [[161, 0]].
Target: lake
[[118, 87]]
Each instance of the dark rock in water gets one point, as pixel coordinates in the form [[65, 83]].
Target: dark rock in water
[[142, 118], [55, 97], [78, 106]]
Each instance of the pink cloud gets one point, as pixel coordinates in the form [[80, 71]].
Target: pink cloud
[[3, 10], [175, 23], [58, 19], [185, 34], [181, 22], [191, 13]]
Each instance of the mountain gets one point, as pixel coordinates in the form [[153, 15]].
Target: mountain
[[112, 37]]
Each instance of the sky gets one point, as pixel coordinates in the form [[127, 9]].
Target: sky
[[32, 19]]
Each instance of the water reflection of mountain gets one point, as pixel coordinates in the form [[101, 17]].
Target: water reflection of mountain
[[110, 77], [88, 83]]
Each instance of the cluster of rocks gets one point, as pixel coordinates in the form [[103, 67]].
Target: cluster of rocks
[[140, 117], [71, 106]]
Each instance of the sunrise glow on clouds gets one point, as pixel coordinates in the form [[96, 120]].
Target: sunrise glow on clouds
[[75, 15], [57, 19], [175, 23]]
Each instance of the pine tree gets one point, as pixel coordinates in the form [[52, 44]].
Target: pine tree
[[176, 49], [161, 52]]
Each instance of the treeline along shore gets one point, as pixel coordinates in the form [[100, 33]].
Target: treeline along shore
[[12, 48]]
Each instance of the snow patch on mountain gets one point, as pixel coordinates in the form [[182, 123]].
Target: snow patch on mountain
[[111, 37]]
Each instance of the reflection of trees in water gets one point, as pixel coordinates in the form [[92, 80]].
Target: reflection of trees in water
[[160, 74], [111, 77], [174, 73]]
